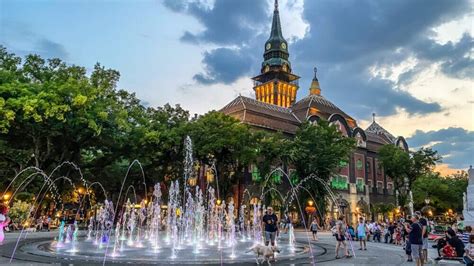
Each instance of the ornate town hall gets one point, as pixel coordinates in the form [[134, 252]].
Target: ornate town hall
[[361, 182]]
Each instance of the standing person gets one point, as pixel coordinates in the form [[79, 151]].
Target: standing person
[[4, 221], [424, 229], [332, 223], [340, 237], [391, 231], [362, 229], [314, 228], [370, 226], [415, 237], [287, 222], [377, 231], [270, 222]]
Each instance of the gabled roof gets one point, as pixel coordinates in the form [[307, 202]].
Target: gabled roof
[[379, 130], [263, 115]]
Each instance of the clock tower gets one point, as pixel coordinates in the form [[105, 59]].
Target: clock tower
[[276, 84]]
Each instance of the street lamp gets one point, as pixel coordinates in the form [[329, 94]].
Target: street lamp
[[6, 197]]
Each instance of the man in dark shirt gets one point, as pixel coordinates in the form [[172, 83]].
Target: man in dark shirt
[[424, 229], [416, 239], [271, 226], [455, 242]]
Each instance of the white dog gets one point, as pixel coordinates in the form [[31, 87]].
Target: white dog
[[267, 253]]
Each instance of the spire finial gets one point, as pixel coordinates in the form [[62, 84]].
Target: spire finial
[[315, 72], [276, 5], [373, 117]]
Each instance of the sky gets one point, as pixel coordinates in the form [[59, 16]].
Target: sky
[[411, 62]]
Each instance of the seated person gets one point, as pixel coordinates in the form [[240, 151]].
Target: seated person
[[448, 251], [469, 254], [455, 242]]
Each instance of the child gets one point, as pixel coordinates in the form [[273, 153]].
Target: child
[[469, 254], [362, 233], [4, 221], [398, 236], [314, 228]]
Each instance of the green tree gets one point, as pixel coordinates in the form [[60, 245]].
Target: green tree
[[318, 150], [273, 150], [19, 211], [444, 192], [224, 141], [405, 167]]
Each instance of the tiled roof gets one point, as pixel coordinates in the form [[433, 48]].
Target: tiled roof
[[320, 103], [373, 137], [379, 130], [262, 114]]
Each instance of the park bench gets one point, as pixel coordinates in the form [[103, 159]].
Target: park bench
[[449, 260]]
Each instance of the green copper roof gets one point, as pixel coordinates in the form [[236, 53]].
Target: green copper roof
[[276, 46], [276, 25]]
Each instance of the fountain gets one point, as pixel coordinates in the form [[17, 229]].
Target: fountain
[[193, 226]]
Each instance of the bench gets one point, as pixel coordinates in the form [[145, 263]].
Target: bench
[[449, 259]]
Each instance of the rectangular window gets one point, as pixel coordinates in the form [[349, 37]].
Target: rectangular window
[[380, 187], [339, 182], [390, 188], [360, 185]]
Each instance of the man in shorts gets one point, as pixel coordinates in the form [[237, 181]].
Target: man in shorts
[[415, 237], [424, 229], [270, 223], [341, 237]]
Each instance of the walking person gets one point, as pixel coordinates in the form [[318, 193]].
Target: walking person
[[340, 237], [415, 237], [362, 230], [314, 228], [270, 223], [4, 221]]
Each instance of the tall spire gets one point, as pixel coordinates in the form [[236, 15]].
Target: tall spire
[[276, 47], [276, 33], [315, 89], [276, 83]]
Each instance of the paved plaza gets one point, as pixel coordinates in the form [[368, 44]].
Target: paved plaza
[[377, 253]]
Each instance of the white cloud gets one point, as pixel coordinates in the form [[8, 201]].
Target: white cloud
[[453, 30]]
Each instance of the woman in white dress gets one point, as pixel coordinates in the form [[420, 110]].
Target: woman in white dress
[[4, 220]]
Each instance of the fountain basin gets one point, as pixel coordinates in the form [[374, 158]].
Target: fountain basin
[[86, 250]]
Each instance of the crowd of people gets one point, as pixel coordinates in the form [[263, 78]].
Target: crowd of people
[[412, 234]]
